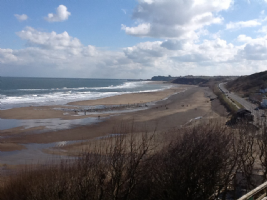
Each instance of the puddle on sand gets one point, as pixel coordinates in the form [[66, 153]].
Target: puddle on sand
[[50, 124], [33, 154]]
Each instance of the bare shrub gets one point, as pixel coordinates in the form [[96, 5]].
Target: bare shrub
[[108, 171], [192, 166], [262, 146], [198, 162]]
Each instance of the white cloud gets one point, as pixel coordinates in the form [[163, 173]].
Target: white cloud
[[212, 51], [141, 29], [48, 40], [6, 56], [243, 38], [263, 29], [255, 52], [243, 24], [61, 55], [145, 52], [182, 57], [175, 18], [61, 14], [253, 49], [22, 17]]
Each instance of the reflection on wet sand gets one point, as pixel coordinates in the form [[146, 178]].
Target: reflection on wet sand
[[33, 153], [49, 124]]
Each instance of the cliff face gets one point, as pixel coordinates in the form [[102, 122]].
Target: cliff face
[[248, 84], [190, 81]]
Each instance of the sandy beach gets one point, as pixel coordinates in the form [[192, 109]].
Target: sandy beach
[[172, 108], [45, 112]]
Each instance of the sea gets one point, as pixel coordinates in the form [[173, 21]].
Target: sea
[[22, 92]]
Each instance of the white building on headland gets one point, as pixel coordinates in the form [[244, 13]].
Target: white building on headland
[[264, 102]]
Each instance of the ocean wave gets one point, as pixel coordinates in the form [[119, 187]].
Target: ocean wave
[[66, 95], [2, 96], [125, 85], [51, 98]]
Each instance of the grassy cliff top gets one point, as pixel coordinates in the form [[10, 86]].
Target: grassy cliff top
[[248, 84]]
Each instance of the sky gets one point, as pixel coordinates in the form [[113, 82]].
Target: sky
[[132, 38]]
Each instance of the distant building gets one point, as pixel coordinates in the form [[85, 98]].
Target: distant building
[[264, 102], [263, 90], [244, 114], [241, 115]]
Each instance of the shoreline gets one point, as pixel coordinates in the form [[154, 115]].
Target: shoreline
[[59, 111], [165, 114], [64, 114], [68, 101]]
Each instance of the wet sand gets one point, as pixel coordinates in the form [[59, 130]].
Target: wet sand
[[164, 115]]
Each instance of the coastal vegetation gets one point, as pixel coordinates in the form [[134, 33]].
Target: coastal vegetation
[[246, 85], [231, 105], [190, 80], [196, 162], [162, 78]]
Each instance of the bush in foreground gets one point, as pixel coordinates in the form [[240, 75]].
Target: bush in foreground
[[194, 163]]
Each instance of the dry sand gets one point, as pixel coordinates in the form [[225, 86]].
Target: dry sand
[[173, 112]]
